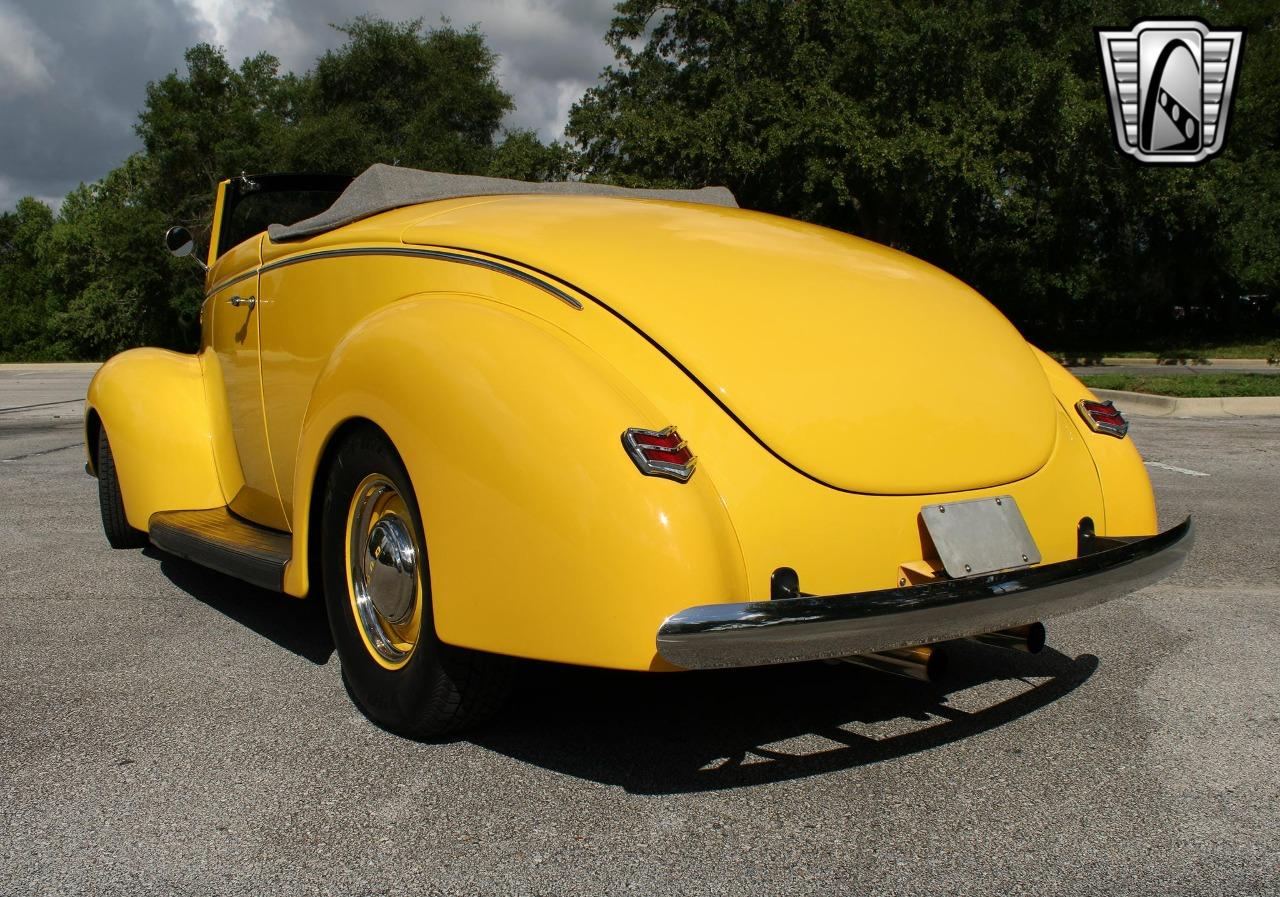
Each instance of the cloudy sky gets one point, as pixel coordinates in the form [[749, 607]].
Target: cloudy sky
[[73, 72]]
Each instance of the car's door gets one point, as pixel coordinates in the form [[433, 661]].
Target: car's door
[[245, 209], [235, 342]]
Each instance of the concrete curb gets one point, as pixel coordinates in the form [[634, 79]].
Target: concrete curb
[[1141, 404], [50, 366], [1259, 363]]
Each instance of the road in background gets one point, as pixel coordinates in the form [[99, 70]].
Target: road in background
[[41, 409], [167, 730]]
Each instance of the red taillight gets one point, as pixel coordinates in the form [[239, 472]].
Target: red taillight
[[660, 453], [1103, 417]]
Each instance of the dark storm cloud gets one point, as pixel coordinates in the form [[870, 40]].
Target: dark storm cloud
[[73, 73], [550, 50], [72, 77]]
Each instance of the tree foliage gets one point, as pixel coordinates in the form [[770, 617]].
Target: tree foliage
[[975, 135], [24, 295], [110, 283], [391, 95], [93, 279]]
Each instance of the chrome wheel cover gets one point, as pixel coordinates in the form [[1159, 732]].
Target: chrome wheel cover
[[383, 571]]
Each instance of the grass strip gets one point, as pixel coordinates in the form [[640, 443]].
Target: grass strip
[[1203, 350], [1175, 354], [1189, 386]]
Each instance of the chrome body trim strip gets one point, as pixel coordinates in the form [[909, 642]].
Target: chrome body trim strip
[[757, 633], [230, 281], [435, 254]]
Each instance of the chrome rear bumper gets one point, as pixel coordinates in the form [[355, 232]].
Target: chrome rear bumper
[[756, 633]]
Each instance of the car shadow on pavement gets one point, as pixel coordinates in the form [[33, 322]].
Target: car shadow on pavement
[[660, 733], [667, 734], [297, 626]]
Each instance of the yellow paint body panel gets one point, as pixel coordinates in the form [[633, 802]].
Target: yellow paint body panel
[[234, 348], [542, 540], [152, 405], [507, 405], [868, 369], [1130, 504]]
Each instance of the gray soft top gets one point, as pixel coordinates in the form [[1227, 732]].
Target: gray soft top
[[385, 187]]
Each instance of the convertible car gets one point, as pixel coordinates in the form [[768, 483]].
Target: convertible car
[[643, 430]]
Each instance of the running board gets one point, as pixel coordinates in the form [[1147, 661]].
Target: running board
[[218, 539]]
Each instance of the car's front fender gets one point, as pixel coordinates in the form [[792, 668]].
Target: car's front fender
[[543, 539], [152, 404]]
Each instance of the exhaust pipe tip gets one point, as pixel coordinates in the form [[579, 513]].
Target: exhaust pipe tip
[[923, 663], [1036, 636], [930, 663], [1029, 639], [938, 665]]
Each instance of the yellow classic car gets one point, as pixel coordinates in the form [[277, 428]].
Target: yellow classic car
[[642, 430]]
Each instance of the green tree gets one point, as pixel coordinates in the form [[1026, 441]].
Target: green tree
[[523, 156], [117, 287], [1247, 177], [400, 94], [212, 122], [24, 298], [975, 135], [94, 279]]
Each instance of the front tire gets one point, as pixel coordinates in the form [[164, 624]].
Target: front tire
[[110, 501], [377, 593]]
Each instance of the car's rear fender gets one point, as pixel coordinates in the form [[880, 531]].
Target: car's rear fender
[[1129, 504], [543, 539], [152, 404], [838, 541]]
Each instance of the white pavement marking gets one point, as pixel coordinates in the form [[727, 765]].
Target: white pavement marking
[[1190, 473]]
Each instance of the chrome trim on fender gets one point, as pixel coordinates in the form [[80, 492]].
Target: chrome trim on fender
[[229, 282], [756, 633], [435, 254]]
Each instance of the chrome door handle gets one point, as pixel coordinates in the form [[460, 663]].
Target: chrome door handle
[[237, 301]]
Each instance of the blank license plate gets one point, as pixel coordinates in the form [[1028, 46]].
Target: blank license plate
[[980, 536]]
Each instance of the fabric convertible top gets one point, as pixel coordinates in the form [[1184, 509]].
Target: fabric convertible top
[[385, 187]]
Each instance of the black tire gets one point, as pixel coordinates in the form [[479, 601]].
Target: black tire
[[114, 523], [440, 689]]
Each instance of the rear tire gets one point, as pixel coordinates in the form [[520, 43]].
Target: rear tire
[[377, 592], [114, 522]]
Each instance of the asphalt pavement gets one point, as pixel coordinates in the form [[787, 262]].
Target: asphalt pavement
[[167, 730]]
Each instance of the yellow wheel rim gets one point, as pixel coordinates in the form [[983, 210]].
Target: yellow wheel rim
[[384, 575]]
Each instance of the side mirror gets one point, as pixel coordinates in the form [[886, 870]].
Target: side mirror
[[179, 242]]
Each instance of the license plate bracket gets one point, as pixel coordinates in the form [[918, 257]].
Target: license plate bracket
[[979, 536]]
